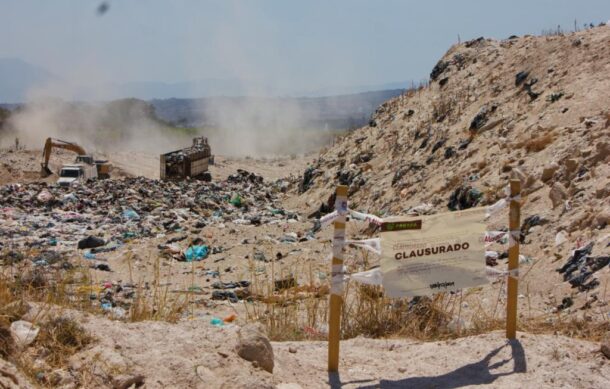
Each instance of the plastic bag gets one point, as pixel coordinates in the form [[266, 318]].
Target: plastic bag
[[196, 253]]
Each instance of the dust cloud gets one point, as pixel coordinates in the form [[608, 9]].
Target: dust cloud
[[263, 127], [121, 125], [235, 126]]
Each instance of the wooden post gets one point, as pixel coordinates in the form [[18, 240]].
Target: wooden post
[[513, 260], [336, 289]]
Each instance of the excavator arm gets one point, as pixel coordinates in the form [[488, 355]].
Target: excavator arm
[[60, 144]]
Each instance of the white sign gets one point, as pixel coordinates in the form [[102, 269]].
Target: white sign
[[432, 254]]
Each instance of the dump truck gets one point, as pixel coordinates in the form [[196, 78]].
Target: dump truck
[[190, 162], [83, 168]]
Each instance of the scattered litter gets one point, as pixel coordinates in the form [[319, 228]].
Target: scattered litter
[[560, 238], [464, 197], [24, 332], [196, 253], [216, 321], [580, 266]]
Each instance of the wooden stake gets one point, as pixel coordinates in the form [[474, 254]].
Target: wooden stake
[[514, 223], [336, 291]]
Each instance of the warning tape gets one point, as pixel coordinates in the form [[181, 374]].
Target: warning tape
[[495, 273], [366, 217]]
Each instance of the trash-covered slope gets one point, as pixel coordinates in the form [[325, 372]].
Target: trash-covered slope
[[535, 108]]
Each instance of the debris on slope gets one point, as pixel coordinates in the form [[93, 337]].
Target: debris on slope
[[531, 108], [581, 266]]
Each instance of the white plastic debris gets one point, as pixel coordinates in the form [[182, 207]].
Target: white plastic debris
[[24, 332], [560, 238]]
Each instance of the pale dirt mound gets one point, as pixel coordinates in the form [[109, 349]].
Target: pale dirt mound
[[536, 108], [23, 166], [194, 354]]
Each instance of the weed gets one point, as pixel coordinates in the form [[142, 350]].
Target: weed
[[62, 337]]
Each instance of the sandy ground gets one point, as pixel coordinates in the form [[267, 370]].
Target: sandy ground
[[272, 168], [195, 354]]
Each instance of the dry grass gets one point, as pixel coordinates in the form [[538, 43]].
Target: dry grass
[[7, 345], [571, 326], [159, 304], [301, 313], [60, 288], [62, 337], [73, 288], [53, 291]]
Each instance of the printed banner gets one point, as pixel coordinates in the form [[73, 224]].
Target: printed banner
[[432, 254]]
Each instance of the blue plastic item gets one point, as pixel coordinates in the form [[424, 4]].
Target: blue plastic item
[[130, 214], [196, 253], [217, 322], [89, 255]]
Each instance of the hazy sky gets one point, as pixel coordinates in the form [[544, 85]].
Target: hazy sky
[[292, 44]]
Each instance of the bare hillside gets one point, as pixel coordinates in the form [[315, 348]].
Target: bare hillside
[[535, 108]]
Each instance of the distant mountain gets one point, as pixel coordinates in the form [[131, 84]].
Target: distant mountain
[[219, 87], [348, 90], [17, 77], [147, 90], [333, 112]]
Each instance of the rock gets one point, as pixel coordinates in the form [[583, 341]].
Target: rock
[[292, 350], [125, 381], [549, 171], [479, 120], [558, 194], [254, 346], [440, 67], [602, 219], [23, 332], [11, 378], [605, 349], [602, 190], [90, 242], [571, 165]]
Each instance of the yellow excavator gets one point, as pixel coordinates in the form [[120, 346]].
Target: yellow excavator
[[85, 166]]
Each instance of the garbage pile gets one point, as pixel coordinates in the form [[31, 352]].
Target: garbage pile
[[464, 197], [580, 267], [102, 214]]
